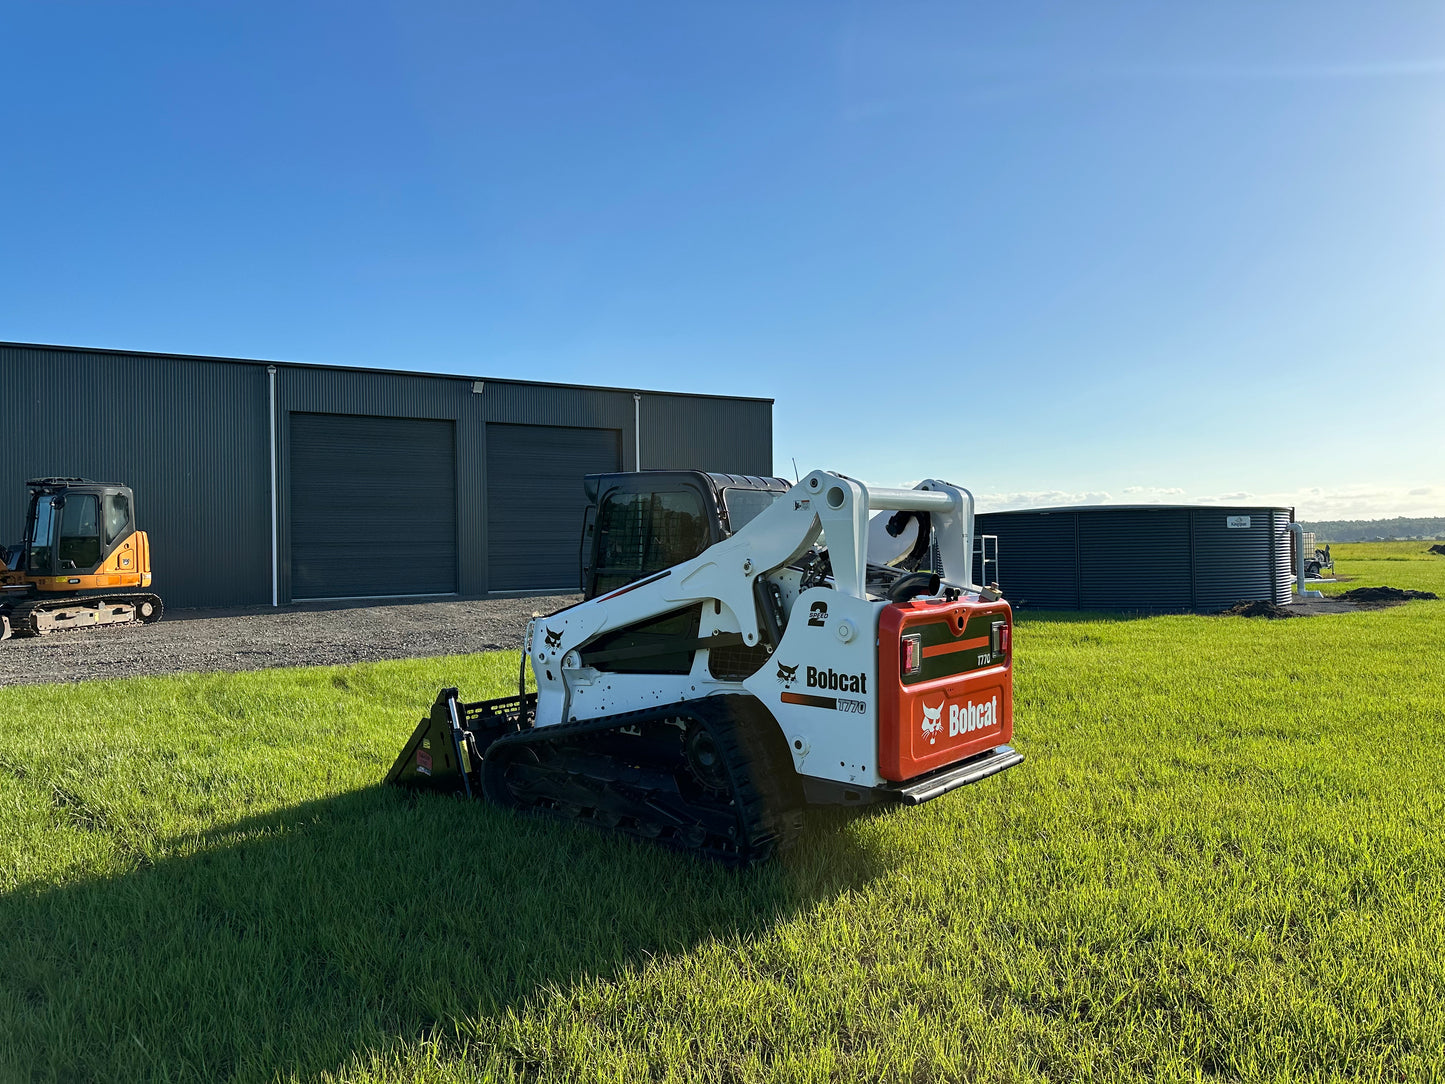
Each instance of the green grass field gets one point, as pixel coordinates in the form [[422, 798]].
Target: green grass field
[[1224, 859], [1398, 564]]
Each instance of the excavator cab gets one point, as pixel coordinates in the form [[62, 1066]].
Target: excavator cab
[[80, 563], [73, 528]]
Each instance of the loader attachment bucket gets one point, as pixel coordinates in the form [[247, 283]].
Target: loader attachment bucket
[[436, 757], [444, 752]]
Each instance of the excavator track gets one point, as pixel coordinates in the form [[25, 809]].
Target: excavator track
[[44, 616], [699, 777]]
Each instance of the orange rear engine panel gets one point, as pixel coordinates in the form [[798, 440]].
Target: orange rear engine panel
[[945, 674]]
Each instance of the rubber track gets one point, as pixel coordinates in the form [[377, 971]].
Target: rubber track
[[22, 614], [763, 801]]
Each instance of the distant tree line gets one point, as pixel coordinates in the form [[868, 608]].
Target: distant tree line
[[1399, 529]]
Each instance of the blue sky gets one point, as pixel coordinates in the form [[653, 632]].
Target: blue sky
[[1051, 252]]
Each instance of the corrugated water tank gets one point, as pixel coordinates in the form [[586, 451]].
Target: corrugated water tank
[[1157, 558]]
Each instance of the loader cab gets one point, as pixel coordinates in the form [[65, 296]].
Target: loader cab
[[639, 523], [72, 526]]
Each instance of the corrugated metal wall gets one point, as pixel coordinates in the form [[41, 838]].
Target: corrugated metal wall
[[1282, 554], [1234, 564], [1163, 558], [190, 435], [1133, 560], [726, 436], [1038, 557]]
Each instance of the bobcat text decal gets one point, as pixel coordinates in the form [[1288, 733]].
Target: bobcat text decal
[[962, 718], [824, 678], [966, 718], [831, 679]]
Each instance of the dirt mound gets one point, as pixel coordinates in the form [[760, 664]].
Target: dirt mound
[[1384, 594], [1260, 608], [1440, 549]]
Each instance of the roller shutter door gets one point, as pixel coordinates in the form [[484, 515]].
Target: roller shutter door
[[373, 506], [535, 501]]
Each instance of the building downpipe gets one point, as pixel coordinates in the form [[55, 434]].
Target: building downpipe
[[275, 535], [637, 430]]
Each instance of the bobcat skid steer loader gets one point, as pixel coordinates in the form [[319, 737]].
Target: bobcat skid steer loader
[[739, 656]]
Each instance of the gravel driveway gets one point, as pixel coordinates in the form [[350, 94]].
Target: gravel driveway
[[306, 634]]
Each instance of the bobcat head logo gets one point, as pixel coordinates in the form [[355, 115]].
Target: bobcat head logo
[[787, 674], [932, 724], [554, 639]]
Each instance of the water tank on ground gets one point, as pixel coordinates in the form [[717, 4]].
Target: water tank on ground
[[1157, 558]]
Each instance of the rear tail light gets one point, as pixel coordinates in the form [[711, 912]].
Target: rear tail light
[[1001, 640], [912, 660]]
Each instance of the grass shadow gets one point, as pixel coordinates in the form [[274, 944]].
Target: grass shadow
[[289, 944]]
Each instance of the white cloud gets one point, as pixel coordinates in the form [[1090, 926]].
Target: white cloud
[[1039, 498], [1345, 502], [1366, 502]]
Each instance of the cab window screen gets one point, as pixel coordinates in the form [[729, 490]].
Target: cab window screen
[[42, 535], [117, 516], [643, 533], [79, 547], [743, 505]]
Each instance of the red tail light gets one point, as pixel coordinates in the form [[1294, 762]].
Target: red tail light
[[912, 654], [1003, 638]]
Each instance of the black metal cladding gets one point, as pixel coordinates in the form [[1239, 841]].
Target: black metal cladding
[[1282, 555], [188, 436], [1233, 564], [1042, 561], [680, 433], [1141, 558], [191, 436]]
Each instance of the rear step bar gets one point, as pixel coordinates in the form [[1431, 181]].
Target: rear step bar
[[935, 783]]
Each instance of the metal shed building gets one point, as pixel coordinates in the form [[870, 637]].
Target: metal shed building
[[257, 479], [1156, 558]]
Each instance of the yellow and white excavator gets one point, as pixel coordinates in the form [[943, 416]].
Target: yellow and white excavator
[[81, 563]]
